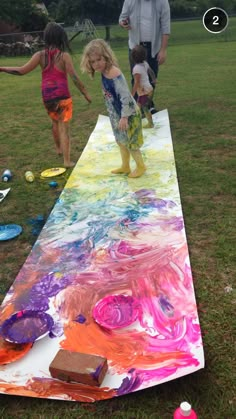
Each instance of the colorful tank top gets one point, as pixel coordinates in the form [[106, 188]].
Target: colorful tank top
[[54, 81]]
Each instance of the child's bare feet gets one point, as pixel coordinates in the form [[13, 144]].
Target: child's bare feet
[[58, 151], [139, 171], [70, 164], [148, 126], [121, 170]]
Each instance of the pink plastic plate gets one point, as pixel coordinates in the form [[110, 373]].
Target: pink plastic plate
[[116, 311]]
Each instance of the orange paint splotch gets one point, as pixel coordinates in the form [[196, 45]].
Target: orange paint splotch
[[122, 350], [49, 388]]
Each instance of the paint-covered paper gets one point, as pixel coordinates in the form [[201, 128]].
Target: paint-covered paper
[[108, 236]]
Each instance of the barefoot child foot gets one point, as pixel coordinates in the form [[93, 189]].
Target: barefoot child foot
[[137, 172], [68, 165], [141, 168], [125, 158], [148, 125], [121, 171]]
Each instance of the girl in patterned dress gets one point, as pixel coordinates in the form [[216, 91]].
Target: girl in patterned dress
[[123, 111]]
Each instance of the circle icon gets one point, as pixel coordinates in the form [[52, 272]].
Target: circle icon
[[215, 20]]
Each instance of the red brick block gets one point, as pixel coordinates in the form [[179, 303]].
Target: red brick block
[[82, 368]]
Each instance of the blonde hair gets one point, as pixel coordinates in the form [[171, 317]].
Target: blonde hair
[[101, 48]]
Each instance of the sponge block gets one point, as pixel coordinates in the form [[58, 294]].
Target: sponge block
[[78, 367]]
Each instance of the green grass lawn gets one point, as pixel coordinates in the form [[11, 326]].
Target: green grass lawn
[[197, 86]]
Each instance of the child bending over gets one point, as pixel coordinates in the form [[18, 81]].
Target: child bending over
[[55, 64], [123, 111], [142, 85]]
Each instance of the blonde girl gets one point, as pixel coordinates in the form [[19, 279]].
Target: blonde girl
[[55, 63], [123, 111]]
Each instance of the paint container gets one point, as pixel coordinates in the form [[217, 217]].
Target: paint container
[[7, 175], [185, 411], [53, 184], [29, 176]]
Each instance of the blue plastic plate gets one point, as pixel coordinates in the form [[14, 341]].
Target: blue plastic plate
[[9, 231]]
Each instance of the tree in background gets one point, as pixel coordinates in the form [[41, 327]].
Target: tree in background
[[102, 12], [67, 11], [191, 8], [183, 8], [24, 13], [228, 5], [106, 12], [52, 8]]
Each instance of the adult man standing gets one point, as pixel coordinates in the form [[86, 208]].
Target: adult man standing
[[148, 23]]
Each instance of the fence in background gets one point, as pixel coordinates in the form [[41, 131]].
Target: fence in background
[[22, 43], [183, 32]]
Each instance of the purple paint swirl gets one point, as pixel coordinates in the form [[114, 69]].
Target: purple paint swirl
[[38, 296], [129, 384], [50, 284], [97, 372], [116, 311], [148, 199], [166, 306]]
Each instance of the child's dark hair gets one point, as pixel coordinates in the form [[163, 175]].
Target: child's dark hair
[[138, 54], [55, 36]]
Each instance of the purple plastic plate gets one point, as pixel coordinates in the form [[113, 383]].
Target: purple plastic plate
[[116, 311], [26, 326]]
